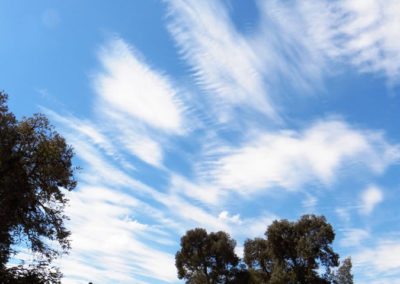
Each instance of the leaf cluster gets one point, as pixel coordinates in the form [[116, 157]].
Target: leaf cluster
[[206, 257], [35, 172], [39, 273], [290, 253], [293, 252]]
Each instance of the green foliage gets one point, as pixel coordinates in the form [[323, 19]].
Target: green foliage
[[291, 253], [35, 170], [257, 257], [206, 258], [40, 273], [344, 275]]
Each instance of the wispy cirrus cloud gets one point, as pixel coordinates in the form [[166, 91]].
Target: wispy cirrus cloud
[[105, 230], [120, 225], [295, 44], [136, 107], [202, 192], [131, 86], [371, 31], [353, 237], [363, 34], [137, 102], [224, 62], [290, 159], [125, 214], [381, 258], [115, 230]]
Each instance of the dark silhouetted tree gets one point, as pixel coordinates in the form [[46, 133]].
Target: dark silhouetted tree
[[258, 260], [343, 274], [40, 273], [293, 252], [35, 170], [206, 258]]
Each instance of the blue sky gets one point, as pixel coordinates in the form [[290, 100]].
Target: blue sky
[[217, 114]]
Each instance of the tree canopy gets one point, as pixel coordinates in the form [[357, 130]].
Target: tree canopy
[[206, 258], [292, 252], [344, 275], [35, 171]]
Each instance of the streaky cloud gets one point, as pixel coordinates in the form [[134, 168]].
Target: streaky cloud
[[131, 86], [362, 34], [291, 159], [382, 258], [223, 60]]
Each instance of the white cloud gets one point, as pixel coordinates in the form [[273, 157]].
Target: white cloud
[[287, 44], [191, 215], [256, 226], [85, 130], [370, 198], [131, 86], [344, 214], [310, 202], [364, 33], [224, 62], [290, 159], [138, 106], [225, 216], [103, 231], [297, 43], [187, 215], [109, 137], [136, 139], [146, 149], [206, 193], [380, 259], [353, 237], [98, 169], [128, 114], [372, 31]]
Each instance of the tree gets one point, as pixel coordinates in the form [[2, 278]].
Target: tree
[[206, 258], [35, 171], [258, 260], [344, 275], [293, 251], [39, 273]]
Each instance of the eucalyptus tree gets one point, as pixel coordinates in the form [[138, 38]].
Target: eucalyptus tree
[[35, 173]]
